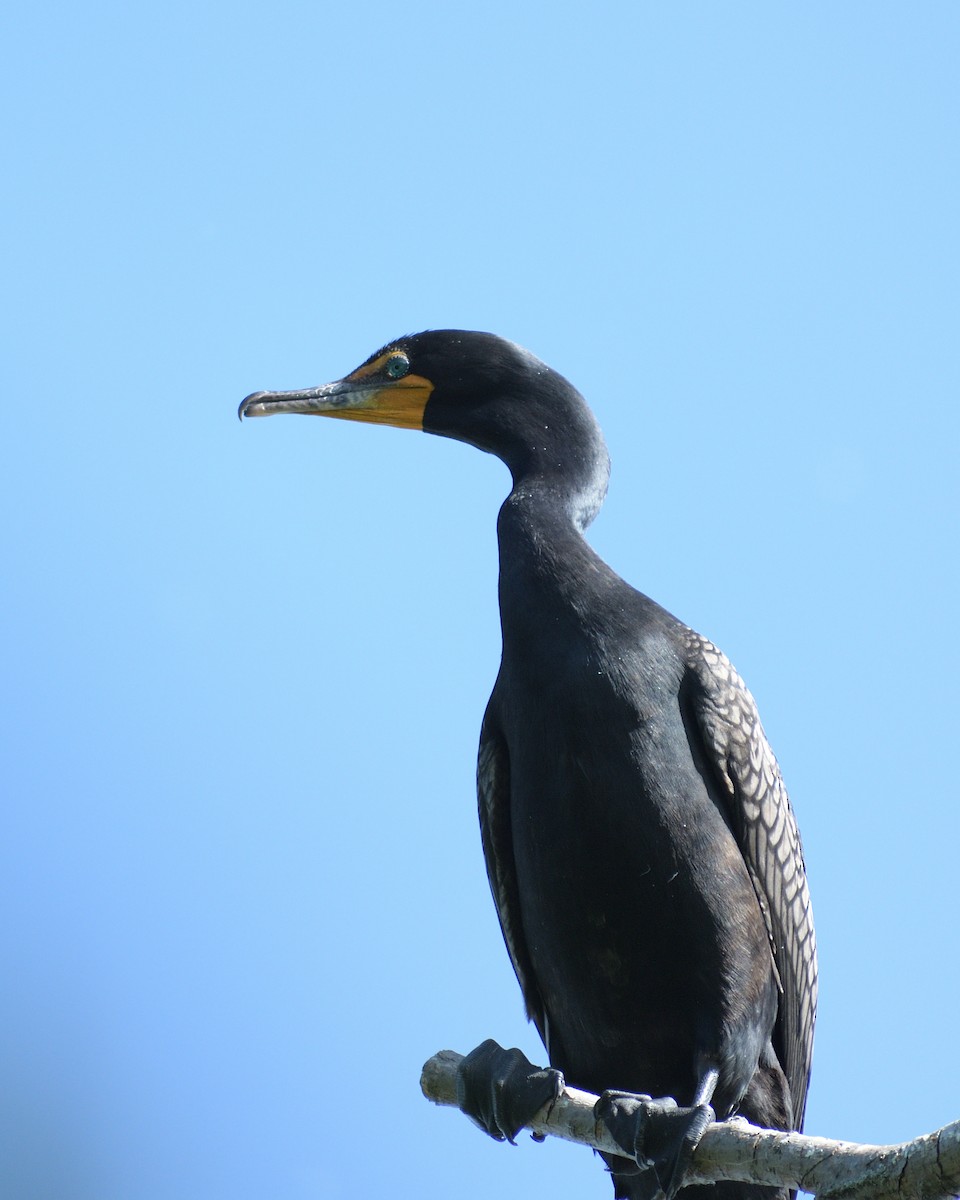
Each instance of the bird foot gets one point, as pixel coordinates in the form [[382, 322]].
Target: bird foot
[[501, 1090], [657, 1134]]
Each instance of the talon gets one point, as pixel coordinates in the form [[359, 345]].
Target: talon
[[658, 1135], [501, 1091]]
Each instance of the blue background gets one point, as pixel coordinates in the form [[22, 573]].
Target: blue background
[[242, 888]]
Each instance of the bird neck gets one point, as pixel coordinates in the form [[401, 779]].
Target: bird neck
[[560, 472], [560, 478], [546, 563]]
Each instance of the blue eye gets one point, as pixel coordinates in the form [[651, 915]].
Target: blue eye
[[397, 366]]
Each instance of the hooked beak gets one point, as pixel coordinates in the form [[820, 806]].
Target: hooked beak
[[400, 402]]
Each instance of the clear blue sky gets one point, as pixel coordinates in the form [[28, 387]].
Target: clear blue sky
[[244, 666]]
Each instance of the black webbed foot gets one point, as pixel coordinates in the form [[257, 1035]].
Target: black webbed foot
[[658, 1135], [501, 1090]]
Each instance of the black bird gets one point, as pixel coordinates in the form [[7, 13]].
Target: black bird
[[641, 849]]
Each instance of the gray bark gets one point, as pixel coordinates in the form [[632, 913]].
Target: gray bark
[[927, 1168]]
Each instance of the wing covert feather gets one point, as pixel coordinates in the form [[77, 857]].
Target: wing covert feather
[[759, 810], [493, 795]]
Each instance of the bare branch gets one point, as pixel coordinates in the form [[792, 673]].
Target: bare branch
[[927, 1168]]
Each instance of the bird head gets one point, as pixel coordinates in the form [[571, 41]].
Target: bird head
[[475, 387]]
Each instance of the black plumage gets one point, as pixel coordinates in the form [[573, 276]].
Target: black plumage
[[641, 849]]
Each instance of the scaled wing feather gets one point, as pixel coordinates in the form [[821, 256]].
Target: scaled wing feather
[[762, 820], [493, 794]]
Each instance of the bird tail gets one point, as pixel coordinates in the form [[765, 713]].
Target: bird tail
[[630, 1182]]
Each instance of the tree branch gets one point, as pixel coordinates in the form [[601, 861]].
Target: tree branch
[[927, 1168]]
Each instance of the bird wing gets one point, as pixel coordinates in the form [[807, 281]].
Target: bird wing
[[762, 820], [493, 793]]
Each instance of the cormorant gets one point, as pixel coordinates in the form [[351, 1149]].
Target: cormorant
[[641, 849]]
